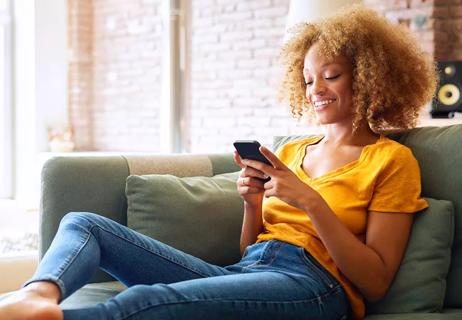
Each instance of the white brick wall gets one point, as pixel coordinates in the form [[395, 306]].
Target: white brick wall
[[235, 73], [80, 30], [117, 98], [127, 63]]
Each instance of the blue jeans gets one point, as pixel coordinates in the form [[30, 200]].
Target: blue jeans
[[273, 280]]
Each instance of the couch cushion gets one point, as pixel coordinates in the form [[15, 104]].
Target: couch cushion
[[439, 152], [453, 311], [420, 284], [199, 215], [416, 316], [92, 294], [223, 163]]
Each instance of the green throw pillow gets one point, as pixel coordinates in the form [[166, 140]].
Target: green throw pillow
[[420, 284], [198, 215]]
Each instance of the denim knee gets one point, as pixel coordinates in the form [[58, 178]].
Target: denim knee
[[82, 219]]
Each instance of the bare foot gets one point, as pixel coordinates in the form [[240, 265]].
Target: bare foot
[[27, 304]]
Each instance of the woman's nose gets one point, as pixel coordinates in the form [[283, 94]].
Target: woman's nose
[[318, 87]]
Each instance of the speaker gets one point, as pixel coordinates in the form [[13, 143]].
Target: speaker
[[448, 98]]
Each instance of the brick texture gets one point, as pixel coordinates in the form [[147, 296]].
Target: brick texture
[[114, 74], [418, 15], [126, 72], [436, 23], [80, 72], [448, 27], [235, 72]]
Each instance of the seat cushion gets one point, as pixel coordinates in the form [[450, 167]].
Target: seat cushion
[[92, 294], [417, 316], [198, 215], [420, 284]]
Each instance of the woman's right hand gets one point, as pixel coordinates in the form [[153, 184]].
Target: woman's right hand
[[250, 183]]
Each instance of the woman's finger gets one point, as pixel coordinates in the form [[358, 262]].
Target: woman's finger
[[250, 182], [238, 159], [250, 190], [252, 172], [278, 164]]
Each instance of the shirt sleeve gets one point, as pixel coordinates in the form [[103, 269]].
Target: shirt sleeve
[[398, 185]]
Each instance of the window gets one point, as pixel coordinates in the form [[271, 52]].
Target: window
[[6, 112], [17, 227]]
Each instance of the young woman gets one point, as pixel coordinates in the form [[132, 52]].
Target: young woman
[[327, 230]]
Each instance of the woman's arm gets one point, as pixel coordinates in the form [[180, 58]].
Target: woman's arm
[[252, 225], [370, 266]]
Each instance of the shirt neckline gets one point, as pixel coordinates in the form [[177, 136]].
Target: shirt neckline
[[346, 167]]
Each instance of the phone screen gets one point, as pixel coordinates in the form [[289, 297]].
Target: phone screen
[[249, 149]]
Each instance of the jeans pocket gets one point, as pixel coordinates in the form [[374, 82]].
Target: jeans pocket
[[252, 248], [317, 269], [246, 251]]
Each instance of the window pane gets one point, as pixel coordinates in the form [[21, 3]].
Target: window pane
[[6, 174], [2, 68], [4, 121]]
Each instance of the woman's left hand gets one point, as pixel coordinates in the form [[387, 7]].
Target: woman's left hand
[[284, 184]]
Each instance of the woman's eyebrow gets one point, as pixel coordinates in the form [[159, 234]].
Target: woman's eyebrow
[[323, 66]]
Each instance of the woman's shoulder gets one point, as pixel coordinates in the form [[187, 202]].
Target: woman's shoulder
[[389, 149]]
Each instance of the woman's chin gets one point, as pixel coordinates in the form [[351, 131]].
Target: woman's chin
[[323, 120]]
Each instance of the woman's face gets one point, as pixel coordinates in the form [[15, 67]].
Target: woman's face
[[329, 85]]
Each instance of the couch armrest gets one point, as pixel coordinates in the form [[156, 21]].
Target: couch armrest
[[92, 184]]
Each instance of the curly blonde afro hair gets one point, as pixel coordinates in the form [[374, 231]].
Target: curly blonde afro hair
[[393, 78]]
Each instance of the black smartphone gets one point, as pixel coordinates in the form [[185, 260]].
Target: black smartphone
[[249, 149]]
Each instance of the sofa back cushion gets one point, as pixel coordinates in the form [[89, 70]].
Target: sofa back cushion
[[439, 153], [199, 215], [420, 283]]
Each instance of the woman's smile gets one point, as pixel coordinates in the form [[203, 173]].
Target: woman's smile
[[323, 104]]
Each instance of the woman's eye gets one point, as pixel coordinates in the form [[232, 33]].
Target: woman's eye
[[308, 83], [333, 77]]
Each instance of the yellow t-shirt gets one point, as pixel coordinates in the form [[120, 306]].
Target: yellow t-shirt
[[386, 178]]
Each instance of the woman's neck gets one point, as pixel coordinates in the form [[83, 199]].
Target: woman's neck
[[343, 135]]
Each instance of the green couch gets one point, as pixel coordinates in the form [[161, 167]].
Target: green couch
[[97, 184]]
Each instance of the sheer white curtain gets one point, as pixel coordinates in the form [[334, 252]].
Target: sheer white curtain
[[6, 111]]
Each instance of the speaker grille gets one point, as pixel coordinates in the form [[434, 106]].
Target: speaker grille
[[448, 98]]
